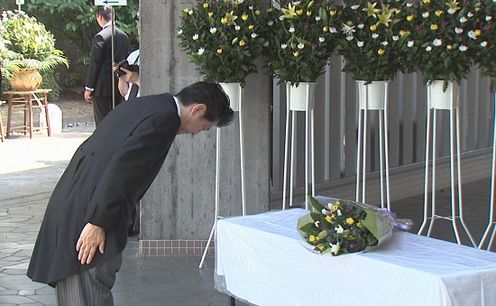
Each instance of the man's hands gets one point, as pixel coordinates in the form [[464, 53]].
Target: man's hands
[[130, 76], [92, 238], [88, 95]]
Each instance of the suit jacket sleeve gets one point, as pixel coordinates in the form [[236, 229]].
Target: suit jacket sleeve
[[96, 60], [134, 163]]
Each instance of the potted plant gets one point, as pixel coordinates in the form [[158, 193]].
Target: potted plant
[[302, 36], [223, 39], [439, 46], [370, 41], [26, 47], [484, 44]]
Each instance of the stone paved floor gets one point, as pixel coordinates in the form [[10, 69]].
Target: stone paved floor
[[29, 170]]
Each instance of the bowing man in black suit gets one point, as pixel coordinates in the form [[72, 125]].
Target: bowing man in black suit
[[84, 230], [98, 87]]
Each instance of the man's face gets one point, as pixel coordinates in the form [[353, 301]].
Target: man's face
[[196, 121]]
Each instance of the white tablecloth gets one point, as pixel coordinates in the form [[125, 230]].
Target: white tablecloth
[[260, 259]]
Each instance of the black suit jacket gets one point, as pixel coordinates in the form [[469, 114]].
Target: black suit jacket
[[105, 179], [99, 75]]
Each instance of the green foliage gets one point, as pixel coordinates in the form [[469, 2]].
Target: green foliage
[[223, 38], [51, 80], [25, 43], [302, 36], [371, 39]]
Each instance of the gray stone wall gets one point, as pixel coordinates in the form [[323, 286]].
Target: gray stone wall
[[180, 202]]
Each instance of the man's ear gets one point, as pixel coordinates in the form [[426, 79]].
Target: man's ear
[[199, 108]]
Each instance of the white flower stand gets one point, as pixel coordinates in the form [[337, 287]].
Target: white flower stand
[[372, 97], [492, 222], [448, 101], [234, 91], [299, 99]]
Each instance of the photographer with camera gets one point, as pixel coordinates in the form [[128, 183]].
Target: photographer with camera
[[128, 74]]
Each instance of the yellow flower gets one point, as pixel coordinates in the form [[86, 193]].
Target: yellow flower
[[205, 5], [373, 27], [251, 27], [309, 13], [426, 1], [359, 224], [321, 247], [257, 12], [242, 43], [350, 220], [404, 32], [325, 29], [311, 238], [434, 27], [219, 51], [210, 14], [328, 218], [449, 47], [477, 32], [380, 52], [453, 6], [299, 12], [371, 10], [332, 12], [229, 18], [409, 17], [244, 17], [349, 23], [385, 15], [289, 12], [296, 53], [439, 13], [186, 10]]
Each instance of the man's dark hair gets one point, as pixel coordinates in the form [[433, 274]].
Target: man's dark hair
[[105, 11], [213, 96]]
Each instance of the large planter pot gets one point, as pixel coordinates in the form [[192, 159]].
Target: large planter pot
[[372, 96], [301, 97], [439, 99], [26, 79], [233, 90]]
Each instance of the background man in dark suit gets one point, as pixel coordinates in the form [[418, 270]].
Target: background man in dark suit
[[98, 87], [84, 230]]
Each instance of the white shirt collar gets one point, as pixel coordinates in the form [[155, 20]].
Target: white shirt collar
[[107, 24], [177, 104]]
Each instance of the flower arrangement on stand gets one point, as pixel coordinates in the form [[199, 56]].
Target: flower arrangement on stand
[[370, 39], [223, 38], [440, 35], [302, 36]]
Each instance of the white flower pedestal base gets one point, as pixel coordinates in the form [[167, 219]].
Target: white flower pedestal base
[[372, 97], [437, 100], [235, 92], [492, 222], [299, 99]]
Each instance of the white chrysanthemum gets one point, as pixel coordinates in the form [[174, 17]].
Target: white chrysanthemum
[[463, 19], [425, 14], [483, 44], [251, 7], [463, 48], [488, 18], [458, 30], [472, 34], [190, 12], [237, 27], [409, 4], [324, 211], [195, 37], [333, 30], [316, 223], [281, 18], [254, 35], [347, 30], [266, 44], [284, 46], [451, 11], [384, 43], [375, 35], [321, 39], [270, 23], [428, 48], [339, 212], [301, 46], [437, 42], [410, 43], [396, 37], [360, 26], [180, 32], [213, 30], [291, 30], [339, 229], [470, 15], [317, 18], [360, 43], [355, 7], [349, 38], [200, 51], [334, 248]]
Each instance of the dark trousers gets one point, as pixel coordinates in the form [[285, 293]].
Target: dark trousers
[[102, 106], [91, 287]]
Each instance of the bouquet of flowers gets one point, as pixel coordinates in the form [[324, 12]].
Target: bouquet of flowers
[[343, 226], [302, 36], [223, 38], [371, 38]]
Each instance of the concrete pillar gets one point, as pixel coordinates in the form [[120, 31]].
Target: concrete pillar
[[180, 203]]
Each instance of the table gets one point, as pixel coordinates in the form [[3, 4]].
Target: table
[[260, 260], [23, 100]]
